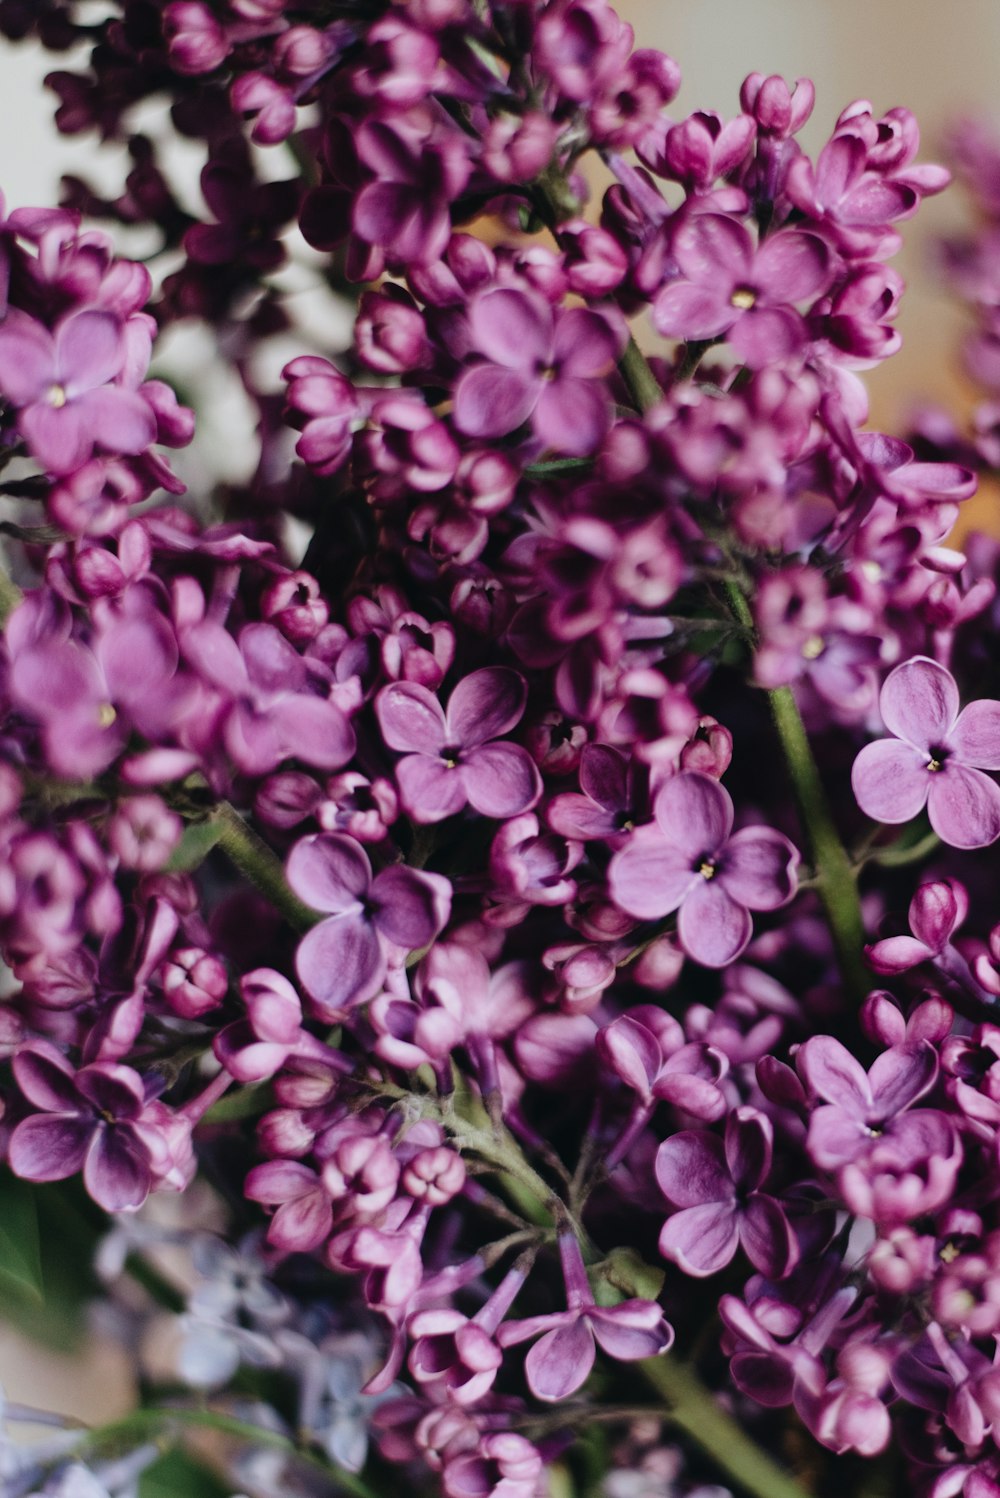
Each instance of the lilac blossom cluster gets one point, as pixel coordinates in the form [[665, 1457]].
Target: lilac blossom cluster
[[493, 896]]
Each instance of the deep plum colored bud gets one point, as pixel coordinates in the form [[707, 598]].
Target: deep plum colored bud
[[293, 603], [389, 332], [196, 41]]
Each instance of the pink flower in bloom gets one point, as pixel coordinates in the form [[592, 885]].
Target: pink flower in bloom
[[452, 758], [561, 1360], [691, 861], [343, 960], [730, 288], [542, 365], [935, 758], [60, 384], [87, 1121], [714, 1183]]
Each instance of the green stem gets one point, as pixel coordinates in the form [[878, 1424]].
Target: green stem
[[692, 1409], [251, 855], [10, 597], [836, 881], [141, 1425], [898, 855], [643, 386]]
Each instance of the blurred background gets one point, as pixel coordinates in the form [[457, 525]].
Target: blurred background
[[939, 60]]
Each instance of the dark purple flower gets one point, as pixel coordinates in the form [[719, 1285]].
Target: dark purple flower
[[405, 210], [274, 714], [62, 387], [727, 287], [714, 1183], [935, 759], [859, 1107], [542, 365], [455, 758], [561, 1360], [343, 960], [88, 1120], [692, 862]]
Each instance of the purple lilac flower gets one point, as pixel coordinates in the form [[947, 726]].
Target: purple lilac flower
[[62, 387], [343, 960], [455, 758], [561, 1360], [727, 287], [543, 366], [935, 758], [692, 862], [715, 1184], [89, 1120]]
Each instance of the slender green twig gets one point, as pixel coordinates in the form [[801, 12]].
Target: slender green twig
[[835, 877], [251, 855], [692, 1409]]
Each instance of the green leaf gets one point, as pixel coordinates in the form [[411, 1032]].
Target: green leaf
[[243, 1102], [20, 1246], [196, 844], [178, 1475]]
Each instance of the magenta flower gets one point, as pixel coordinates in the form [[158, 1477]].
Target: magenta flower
[[714, 1183], [860, 1108], [88, 1120], [727, 287], [343, 960], [691, 861], [561, 1360], [544, 366], [935, 759], [452, 758], [60, 384]]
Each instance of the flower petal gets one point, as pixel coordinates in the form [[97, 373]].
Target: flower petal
[[49, 1147], [975, 735], [630, 1330], [701, 1240], [340, 962], [891, 781], [116, 1171], [758, 868], [411, 718], [712, 927], [410, 908], [485, 705], [648, 878], [501, 780], [329, 871], [832, 1073], [512, 328], [695, 814], [767, 1239], [490, 401], [560, 1362], [919, 702], [964, 806], [429, 788], [691, 1169], [90, 350]]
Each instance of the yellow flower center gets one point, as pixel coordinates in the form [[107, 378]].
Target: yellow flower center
[[743, 298], [707, 870], [813, 647], [106, 715], [57, 396]]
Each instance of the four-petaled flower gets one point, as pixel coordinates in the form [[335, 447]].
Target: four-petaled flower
[[452, 758], [343, 960], [714, 1183], [691, 861], [935, 758]]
